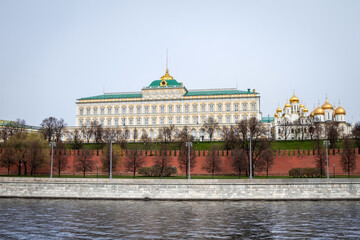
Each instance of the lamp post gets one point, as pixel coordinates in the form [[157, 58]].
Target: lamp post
[[326, 142], [52, 145], [334, 169], [97, 170], [250, 158], [189, 145], [110, 176]]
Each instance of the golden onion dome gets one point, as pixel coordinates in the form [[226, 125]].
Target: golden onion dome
[[301, 106], [278, 110], [312, 113], [305, 109], [287, 105], [275, 115], [340, 111], [319, 111], [327, 105], [294, 99]]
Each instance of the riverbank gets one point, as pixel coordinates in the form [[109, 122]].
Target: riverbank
[[181, 189]]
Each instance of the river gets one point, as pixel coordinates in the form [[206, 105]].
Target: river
[[96, 219]]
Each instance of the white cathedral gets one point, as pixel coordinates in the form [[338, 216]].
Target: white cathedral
[[294, 122]]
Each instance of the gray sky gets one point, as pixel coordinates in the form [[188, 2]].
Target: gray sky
[[53, 52]]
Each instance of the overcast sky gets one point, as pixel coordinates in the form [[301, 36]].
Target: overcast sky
[[53, 52]]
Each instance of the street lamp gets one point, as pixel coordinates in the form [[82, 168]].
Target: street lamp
[[52, 145], [326, 142], [189, 145], [97, 170], [250, 158], [110, 176], [334, 169]]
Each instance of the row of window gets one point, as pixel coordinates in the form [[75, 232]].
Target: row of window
[[170, 109], [154, 120]]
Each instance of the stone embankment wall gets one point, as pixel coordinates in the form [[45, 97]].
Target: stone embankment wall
[[157, 189], [283, 162]]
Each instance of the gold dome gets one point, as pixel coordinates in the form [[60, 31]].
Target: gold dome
[[305, 109], [340, 111], [312, 113], [166, 76], [278, 110], [327, 105], [294, 99], [301, 106], [319, 111], [275, 115], [287, 105]]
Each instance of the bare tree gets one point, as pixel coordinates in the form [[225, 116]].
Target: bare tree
[[8, 159], [134, 161], [76, 139], [168, 132], [52, 129], [183, 159], [267, 160], [60, 159], [162, 161], [84, 162], [320, 159], [332, 130], [210, 126], [212, 161], [37, 156], [239, 160], [356, 134], [228, 138], [348, 157], [89, 130], [21, 125], [116, 157], [146, 140], [285, 128], [301, 125], [20, 143]]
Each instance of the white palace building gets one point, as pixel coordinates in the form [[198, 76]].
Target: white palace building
[[168, 102]]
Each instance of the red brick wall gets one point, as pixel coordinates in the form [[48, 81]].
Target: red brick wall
[[283, 162]]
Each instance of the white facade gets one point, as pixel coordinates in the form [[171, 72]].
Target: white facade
[[167, 102]]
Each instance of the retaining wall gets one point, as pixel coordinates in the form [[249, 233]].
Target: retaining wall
[[157, 189]]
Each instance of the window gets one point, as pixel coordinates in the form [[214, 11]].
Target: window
[[219, 107], [138, 109], [178, 120], [228, 107], [109, 122], [146, 109], [186, 108], [88, 111], [228, 118], [195, 120], [170, 120], [244, 117], [194, 107], [162, 108], [102, 110], [116, 110], [220, 119], [146, 120], [123, 110], [170, 107], [154, 109], [186, 120], [81, 111], [109, 110], [102, 121], [236, 118], [154, 120], [123, 120], [131, 109], [87, 122], [252, 106], [211, 107], [203, 107], [138, 121], [218, 133], [236, 107], [178, 108], [162, 120], [95, 110], [131, 121], [202, 119], [116, 121], [244, 106]]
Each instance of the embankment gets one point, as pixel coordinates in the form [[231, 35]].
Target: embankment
[[167, 189]]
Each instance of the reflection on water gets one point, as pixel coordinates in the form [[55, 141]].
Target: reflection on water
[[84, 219]]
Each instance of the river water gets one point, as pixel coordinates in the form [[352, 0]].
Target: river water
[[96, 219]]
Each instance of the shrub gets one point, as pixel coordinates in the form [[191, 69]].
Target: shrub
[[311, 172], [296, 172], [154, 171]]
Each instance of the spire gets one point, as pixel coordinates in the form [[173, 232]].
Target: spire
[[167, 76], [167, 60]]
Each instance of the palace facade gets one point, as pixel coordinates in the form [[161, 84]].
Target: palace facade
[[168, 102]]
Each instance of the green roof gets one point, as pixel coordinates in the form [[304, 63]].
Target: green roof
[[267, 119], [217, 92], [114, 96], [170, 83]]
